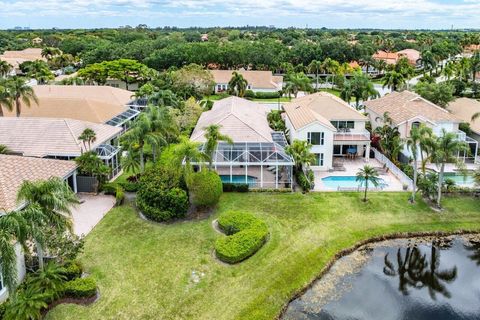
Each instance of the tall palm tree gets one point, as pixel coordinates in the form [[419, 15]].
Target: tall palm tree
[[428, 61], [213, 136], [5, 97], [50, 202], [365, 175], [449, 70], [475, 65], [298, 82], [237, 84], [393, 80], [131, 162], [315, 66], [426, 145], [21, 92], [49, 52], [88, 136], [188, 151], [445, 150], [5, 68], [412, 144], [300, 150], [359, 87], [163, 126]]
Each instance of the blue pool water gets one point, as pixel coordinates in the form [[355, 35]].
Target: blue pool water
[[334, 182], [239, 179], [459, 179]]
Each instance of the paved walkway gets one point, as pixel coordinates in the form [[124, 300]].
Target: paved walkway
[[92, 209]]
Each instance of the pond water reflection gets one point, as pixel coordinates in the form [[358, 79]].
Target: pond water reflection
[[399, 279]]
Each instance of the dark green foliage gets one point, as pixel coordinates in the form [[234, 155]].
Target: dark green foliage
[[246, 234], [205, 188], [305, 181], [119, 196], [235, 187], [130, 186], [73, 270], [109, 188], [81, 288], [275, 120], [249, 94], [267, 95]]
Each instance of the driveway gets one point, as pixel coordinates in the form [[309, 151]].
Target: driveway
[[91, 210]]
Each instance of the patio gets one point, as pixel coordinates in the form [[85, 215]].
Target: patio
[[350, 167], [90, 211]]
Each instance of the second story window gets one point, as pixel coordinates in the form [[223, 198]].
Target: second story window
[[344, 125], [316, 138]]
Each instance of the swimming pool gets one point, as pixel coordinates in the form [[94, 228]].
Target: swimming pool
[[335, 182], [239, 179], [459, 178]]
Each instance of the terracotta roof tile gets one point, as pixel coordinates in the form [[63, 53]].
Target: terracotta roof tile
[[257, 79]]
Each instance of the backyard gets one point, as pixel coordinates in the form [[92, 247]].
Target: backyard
[[150, 271]]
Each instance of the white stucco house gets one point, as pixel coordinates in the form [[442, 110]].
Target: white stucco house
[[258, 81], [330, 125], [407, 110]]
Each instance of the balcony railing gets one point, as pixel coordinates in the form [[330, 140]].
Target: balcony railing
[[352, 136]]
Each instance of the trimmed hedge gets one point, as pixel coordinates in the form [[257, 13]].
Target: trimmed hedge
[[267, 95], [73, 270], [235, 187], [205, 188], [246, 234], [81, 288]]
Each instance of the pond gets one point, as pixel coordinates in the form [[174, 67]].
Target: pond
[[430, 278]]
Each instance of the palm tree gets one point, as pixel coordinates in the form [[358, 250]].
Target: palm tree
[[27, 304], [4, 149], [428, 61], [20, 93], [50, 52], [393, 80], [365, 175], [412, 144], [5, 68], [445, 150], [315, 66], [298, 82], [50, 202], [163, 125], [301, 154], [88, 136], [5, 97], [449, 70], [359, 87], [237, 84], [330, 66], [425, 145], [476, 177], [213, 136], [130, 162], [475, 65], [188, 151]]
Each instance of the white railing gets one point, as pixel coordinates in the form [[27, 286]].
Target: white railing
[[352, 135], [404, 179]]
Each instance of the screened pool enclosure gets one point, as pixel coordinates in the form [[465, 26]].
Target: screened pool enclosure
[[258, 164]]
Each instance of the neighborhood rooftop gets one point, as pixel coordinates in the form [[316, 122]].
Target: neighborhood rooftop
[[15, 58], [98, 104], [48, 137], [322, 107], [257, 79], [240, 119], [464, 109], [16, 169], [404, 106]]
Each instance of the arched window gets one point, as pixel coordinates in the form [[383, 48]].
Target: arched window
[[415, 124]]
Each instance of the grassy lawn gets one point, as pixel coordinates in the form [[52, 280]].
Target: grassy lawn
[[144, 270]]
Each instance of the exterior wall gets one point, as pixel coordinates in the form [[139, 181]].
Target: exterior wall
[[220, 89], [326, 148], [21, 271], [121, 84]]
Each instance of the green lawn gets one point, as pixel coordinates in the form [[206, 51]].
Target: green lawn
[[144, 269]]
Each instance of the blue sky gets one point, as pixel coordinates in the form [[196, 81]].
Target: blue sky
[[399, 14]]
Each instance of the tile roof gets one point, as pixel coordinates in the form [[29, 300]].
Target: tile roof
[[15, 58], [257, 79], [322, 107], [87, 103], [242, 120], [411, 54], [406, 105], [464, 109], [15, 169], [42, 137], [388, 57]]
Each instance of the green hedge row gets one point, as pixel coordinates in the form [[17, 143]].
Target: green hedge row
[[261, 95], [235, 187], [246, 234], [81, 288]]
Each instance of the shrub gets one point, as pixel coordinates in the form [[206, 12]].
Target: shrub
[[246, 234], [235, 187], [119, 196], [73, 270], [109, 188], [3, 306], [249, 94], [205, 188], [81, 288], [267, 95], [130, 186], [161, 204], [305, 181]]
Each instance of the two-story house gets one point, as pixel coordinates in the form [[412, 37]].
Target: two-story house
[[330, 125], [407, 110]]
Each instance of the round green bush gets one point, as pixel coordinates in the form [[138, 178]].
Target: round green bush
[[205, 188], [81, 288], [246, 234], [72, 270]]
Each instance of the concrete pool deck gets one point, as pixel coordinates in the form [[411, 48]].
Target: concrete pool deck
[[351, 169]]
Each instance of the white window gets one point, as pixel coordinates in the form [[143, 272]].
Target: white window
[[316, 138], [318, 159]]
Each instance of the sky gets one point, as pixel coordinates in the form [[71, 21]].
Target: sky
[[384, 14]]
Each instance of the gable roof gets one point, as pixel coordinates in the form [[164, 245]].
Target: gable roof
[[87, 103], [240, 119], [15, 169], [411, 54], [464, 109], [257, 79], [15, 58], [42, 137], [322, 107], [404, 106], [388, 57]]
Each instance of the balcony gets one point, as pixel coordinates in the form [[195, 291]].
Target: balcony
[[351, 136]]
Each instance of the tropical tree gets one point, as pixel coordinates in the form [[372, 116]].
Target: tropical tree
[[426, 145], [476, 177], [298, 82], [49, 52], [131, 162], [37, 70], [365, 175], [413, 142], [49, 202], [21, 93], [237, 84], [315, 66], [428, 61], [5, 68], [300, 150], [186, 152], [213, 136], [359, 87], [475, 65], [445, 150], [88, 136], [4, 149], [449, 70], [393, 80], [5, 97], [27, 304]]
